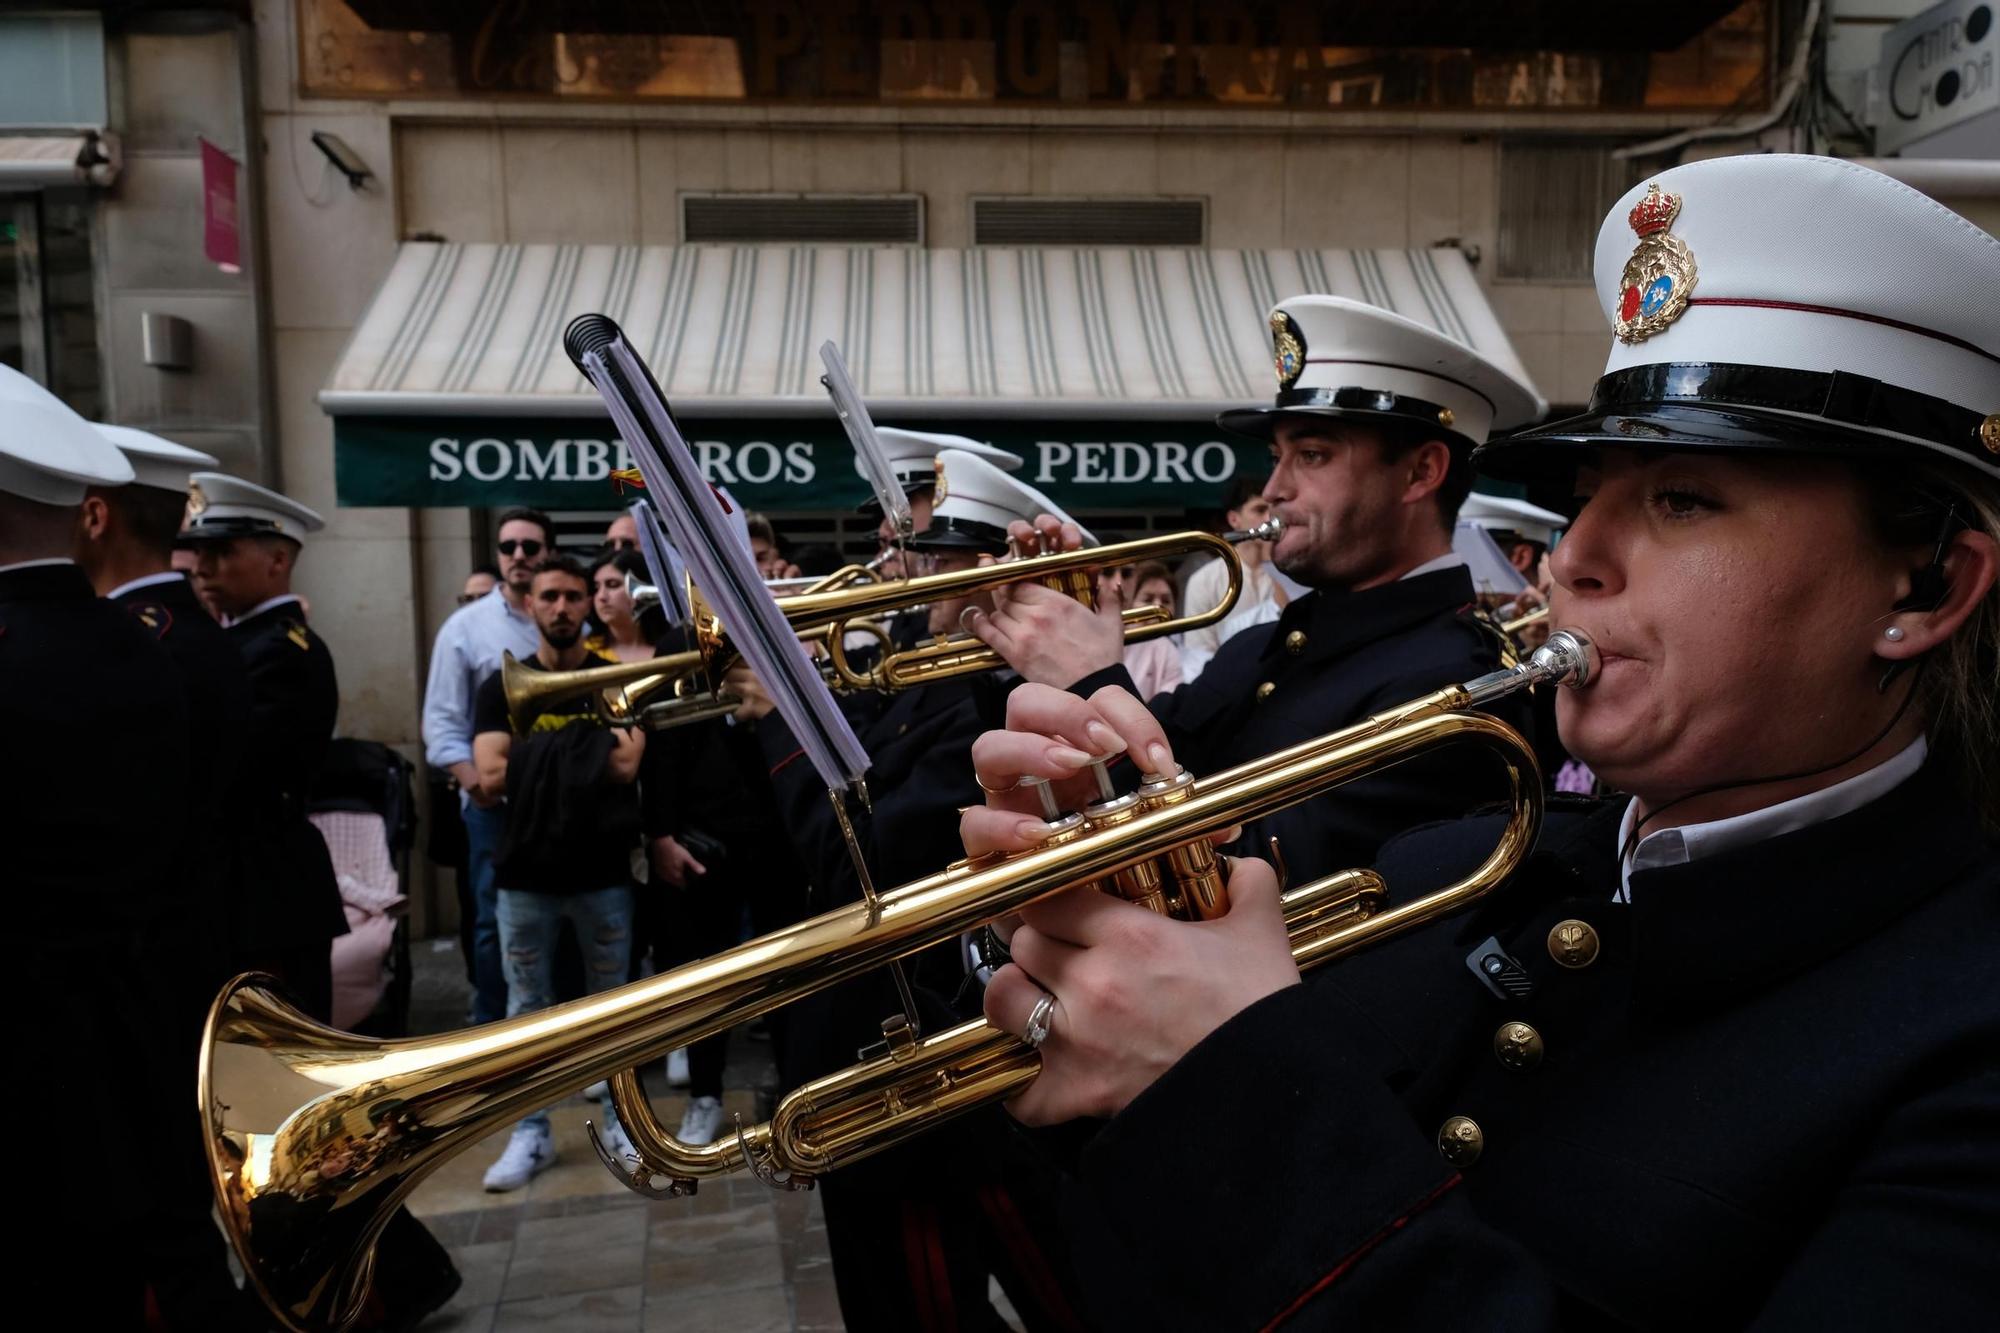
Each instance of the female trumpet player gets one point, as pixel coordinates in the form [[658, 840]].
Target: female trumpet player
[[1727, 1052]]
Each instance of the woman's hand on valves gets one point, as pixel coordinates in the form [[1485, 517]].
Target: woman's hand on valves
[[1132, 992]]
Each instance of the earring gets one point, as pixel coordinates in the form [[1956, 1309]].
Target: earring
[[1894, 634]]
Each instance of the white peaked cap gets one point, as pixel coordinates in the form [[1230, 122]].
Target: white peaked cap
[[221, 506], [48, 453], [1499, 513], [976, 501], [1342, 358], [913, 453], [1789, 304], [156, 462]]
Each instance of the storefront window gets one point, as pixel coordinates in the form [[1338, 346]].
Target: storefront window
[[48, 305], [1250, 53]]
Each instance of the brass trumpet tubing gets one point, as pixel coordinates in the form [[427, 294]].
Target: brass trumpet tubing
[[313, 1135], [1237, 795], [853, 1114], [962, 655]]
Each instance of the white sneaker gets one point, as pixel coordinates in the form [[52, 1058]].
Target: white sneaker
[[599, 1090], [531, 1150], [618, 1143], [677, 1067], [702, 1122]]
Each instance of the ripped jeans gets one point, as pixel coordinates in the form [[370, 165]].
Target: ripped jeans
[[529, 925]]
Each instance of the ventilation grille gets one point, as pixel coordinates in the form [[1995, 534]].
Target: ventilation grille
[[1552, 199], [827, 219], [1013, 221]]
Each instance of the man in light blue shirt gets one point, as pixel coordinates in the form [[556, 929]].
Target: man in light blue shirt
[[467, 651]]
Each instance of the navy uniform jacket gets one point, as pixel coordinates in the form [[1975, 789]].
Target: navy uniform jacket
[[1772, 1100], [217, 689], [94, 800], [291, 897], [1329, 660]]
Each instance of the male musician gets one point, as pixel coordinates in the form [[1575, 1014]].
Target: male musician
[[88, 869], [1523, 532], [125, 543], [572, 826], [1371, 437], [247, 540], [912, 457], [960, 1196]]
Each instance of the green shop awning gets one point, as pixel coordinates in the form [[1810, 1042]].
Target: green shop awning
[[1103, 368]]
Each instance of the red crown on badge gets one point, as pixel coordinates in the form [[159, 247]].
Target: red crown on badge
[[1655, 213]]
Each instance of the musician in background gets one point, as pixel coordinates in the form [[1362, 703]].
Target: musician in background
[[1722, 1054], [125, 543], [1371, 438], [82, 679], [572, 827], [916, 1233]]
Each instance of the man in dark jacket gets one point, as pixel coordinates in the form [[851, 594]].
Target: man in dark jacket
[[1371, 438], [287, 908], [125, 544], [247, 541], [94, 797]]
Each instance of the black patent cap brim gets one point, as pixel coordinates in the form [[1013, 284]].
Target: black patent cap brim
[[1674, 427]]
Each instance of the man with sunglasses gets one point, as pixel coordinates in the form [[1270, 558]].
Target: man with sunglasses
[[468, 650]]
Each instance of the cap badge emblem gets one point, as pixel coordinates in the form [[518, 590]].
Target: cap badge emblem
[[940, 490], [1659, 277], [197, 502], [1289, 344]]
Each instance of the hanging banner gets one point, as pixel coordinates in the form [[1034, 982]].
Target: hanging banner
[[785, 465], [221, 239]]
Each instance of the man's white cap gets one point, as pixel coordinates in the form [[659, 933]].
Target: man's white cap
[[221, 506], [158, 463], [975, 503], [48, 453], [1499, 513], [1789, 304], [1341, 358], [913, 457]]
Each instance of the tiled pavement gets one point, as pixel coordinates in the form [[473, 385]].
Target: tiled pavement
[[578, 1252]]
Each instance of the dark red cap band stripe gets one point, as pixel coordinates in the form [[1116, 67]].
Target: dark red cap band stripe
[[1946, 338]]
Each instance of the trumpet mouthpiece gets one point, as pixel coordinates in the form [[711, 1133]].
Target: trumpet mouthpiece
[[1569, 658], [1267, 531]]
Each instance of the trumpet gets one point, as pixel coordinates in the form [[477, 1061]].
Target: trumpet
[[315, 1136], [855, 599]]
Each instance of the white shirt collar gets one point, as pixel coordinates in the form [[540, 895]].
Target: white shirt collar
[[36, 564], [1690, 842], [1449, 560], [262, 607], [147, 581]]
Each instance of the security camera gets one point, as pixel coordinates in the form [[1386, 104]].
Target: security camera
[[345, 160]]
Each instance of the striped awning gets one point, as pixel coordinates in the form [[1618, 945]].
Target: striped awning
[[1146, 333]]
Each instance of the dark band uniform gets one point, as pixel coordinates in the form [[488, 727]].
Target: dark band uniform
[[288, 909], [94, 801], [916, 1231], [1334, 656], [1760, 1087]]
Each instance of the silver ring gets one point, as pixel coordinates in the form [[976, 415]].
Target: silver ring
[[1037, 1030]]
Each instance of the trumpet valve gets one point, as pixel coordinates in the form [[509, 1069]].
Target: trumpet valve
[[1194, 872], [1142, 883]]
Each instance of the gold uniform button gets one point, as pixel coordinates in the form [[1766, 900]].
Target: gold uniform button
[[1295, 642], [1573, 943], [1461, 1141], [1267, 689], [1517, 1046]]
